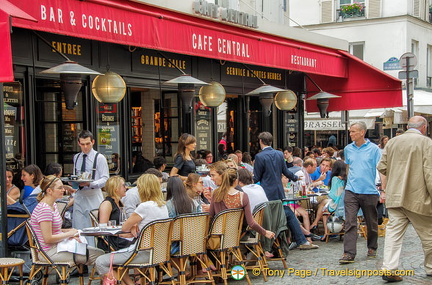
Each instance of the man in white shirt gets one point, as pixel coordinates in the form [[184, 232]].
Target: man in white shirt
[[89, 196]]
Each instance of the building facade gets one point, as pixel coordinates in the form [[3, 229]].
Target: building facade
[[379, 32]]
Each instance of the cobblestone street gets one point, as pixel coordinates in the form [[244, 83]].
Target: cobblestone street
[[324, 266]]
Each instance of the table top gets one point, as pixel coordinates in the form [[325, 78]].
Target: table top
[[96, 231]]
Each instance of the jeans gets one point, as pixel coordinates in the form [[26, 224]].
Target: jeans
[[294, 226]]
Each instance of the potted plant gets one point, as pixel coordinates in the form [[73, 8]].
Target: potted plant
[[355, 9]]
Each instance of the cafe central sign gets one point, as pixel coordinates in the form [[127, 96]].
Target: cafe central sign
[[225, 14]]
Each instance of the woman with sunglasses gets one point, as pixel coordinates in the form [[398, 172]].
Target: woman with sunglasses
[[46, 222], [111, 209]]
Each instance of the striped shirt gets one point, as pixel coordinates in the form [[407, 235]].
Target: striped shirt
[[44, 213]]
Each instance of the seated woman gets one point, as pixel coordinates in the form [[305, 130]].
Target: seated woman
[[195, 190], [337, 186], [110, 209], [152, 208], [178, 202], [46, 222], [12, 191], [298, 210], [227, 197], [31, 175]]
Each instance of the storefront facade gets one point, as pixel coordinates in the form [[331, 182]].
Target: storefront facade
[[146, 46]]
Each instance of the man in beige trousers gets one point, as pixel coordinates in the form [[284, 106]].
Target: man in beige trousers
[[406, 166]]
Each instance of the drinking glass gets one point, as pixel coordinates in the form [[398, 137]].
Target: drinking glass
[[112, 223]]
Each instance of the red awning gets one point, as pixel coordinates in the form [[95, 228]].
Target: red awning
[[137, 24], [7, 10], [365, 87], [130, 23]]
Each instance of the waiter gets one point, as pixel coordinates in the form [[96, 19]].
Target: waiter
[[89, 196]]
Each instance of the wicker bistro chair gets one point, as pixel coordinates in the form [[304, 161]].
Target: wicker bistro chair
[[63, 269], [155, 237], [191, 230], [61, 207], [253, 244], [227, 225]]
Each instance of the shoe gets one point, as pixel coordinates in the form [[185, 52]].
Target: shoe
[[308, 246], [315, 237], [371, 253], [346, 259], [392, 278], [323, 238], [312, 229], [293, 245]]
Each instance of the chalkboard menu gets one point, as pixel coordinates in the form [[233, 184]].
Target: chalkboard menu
[[203, 126], [108, 135]]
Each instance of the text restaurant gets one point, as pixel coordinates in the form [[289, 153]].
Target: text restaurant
[[168, 66]]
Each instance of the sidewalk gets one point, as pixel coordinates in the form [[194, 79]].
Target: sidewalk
[[324, 266]]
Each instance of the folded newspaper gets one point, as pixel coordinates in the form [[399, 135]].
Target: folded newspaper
[[72, 245]]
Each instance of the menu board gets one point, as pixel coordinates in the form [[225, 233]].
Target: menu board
[[108, 135], [203, 127]]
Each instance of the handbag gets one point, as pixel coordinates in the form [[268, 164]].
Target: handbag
[[109, 278]]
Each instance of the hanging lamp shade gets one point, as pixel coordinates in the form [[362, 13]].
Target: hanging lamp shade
[[186, 85], [70, 80], [285, 100], [109, 87], [322, 98], [212, 95], [266, 100], [265, 88]]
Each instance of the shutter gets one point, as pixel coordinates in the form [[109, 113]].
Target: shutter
[[416, 8], [326, 11], [374, 9]]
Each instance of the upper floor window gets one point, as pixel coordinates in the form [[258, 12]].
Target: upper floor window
[[357, 49], [352, 8]]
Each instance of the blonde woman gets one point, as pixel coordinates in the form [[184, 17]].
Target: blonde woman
[[110, 209], [183, 161], [152, 208], [227, 197], [46, 222]]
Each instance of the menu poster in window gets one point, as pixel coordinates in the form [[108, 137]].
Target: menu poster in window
[[203, 127], [108, 132], [13, 118]]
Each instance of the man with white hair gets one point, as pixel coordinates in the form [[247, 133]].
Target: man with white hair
[[406, 166]]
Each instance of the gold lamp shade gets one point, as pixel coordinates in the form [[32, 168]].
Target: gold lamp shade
[[212, 95], [109, 87], [285, 100]]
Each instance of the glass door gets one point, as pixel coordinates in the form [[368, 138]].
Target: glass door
[[57, 128]]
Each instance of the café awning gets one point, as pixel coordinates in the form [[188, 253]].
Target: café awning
[[8, 10], [365, 87], [136, 24]]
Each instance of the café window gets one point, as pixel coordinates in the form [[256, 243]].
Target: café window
[[108, 135], [57, 126], [14, 117]]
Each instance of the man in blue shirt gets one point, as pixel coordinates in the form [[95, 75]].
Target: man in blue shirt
[[323, 172], [362, 156]]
